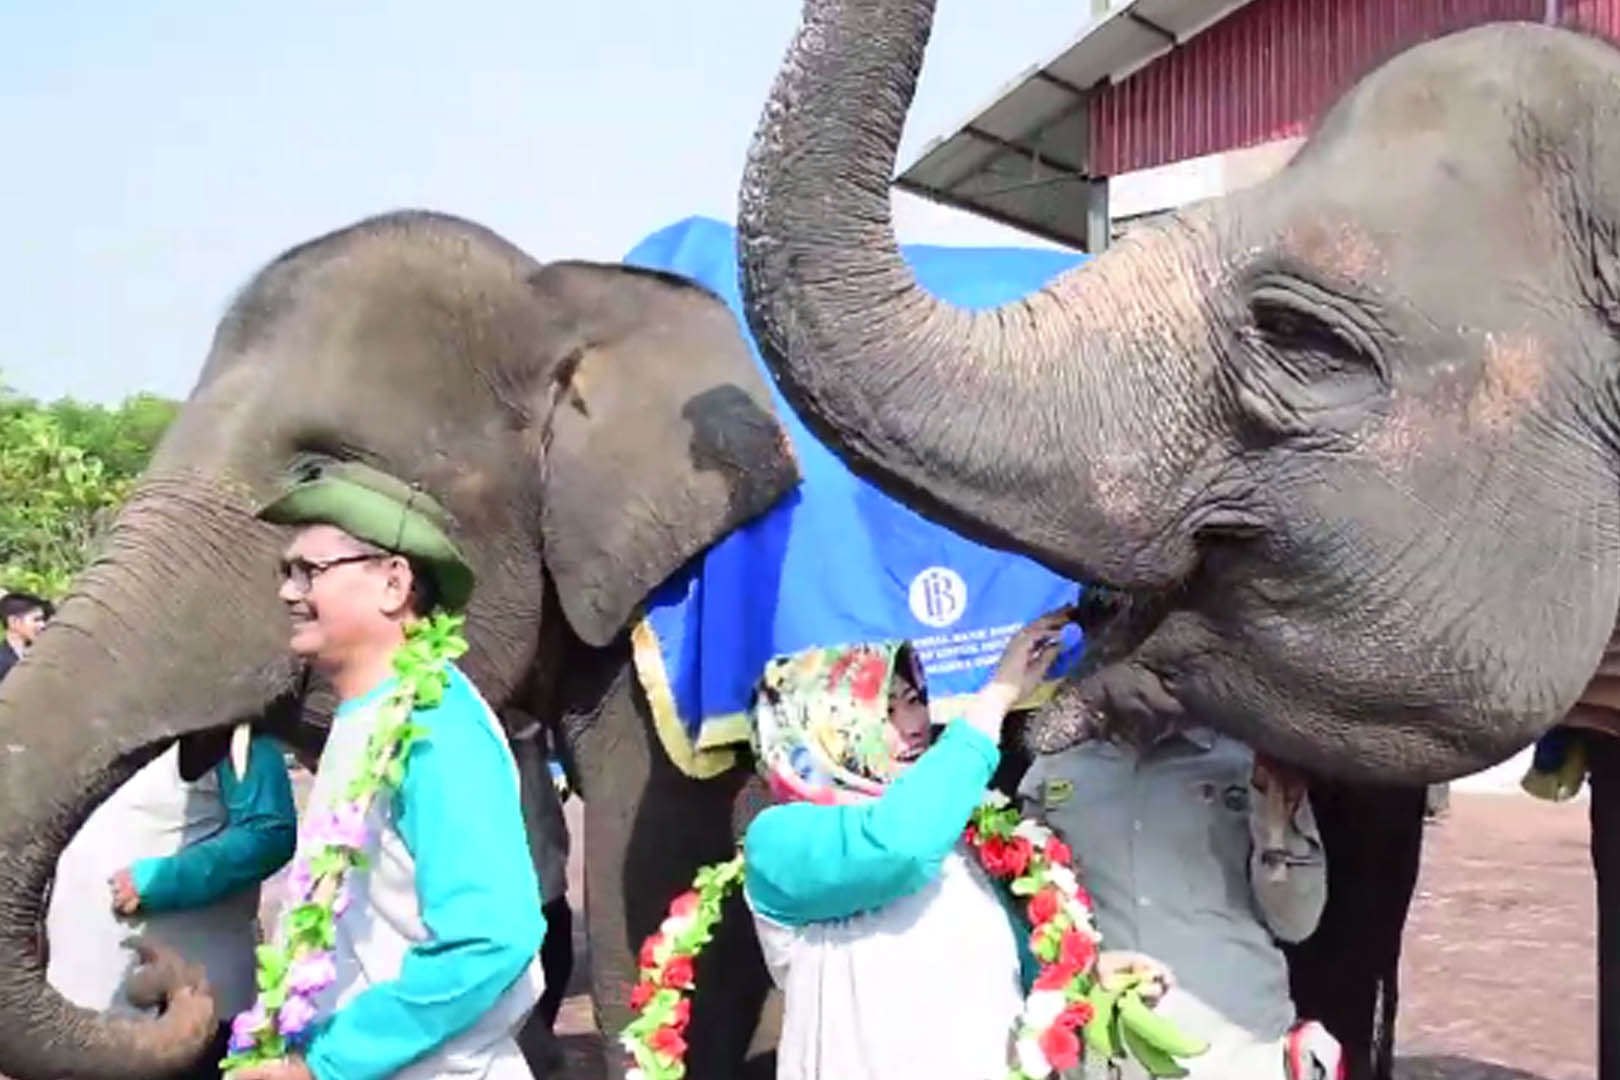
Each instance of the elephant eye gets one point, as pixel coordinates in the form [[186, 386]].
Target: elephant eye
[[1312, 360], [1314, 337]]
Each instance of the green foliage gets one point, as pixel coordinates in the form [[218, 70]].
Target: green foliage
[[122, 438], [65, 468]]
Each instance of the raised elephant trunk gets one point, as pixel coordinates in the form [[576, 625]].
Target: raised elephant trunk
[[1070, 384], [109, 682]]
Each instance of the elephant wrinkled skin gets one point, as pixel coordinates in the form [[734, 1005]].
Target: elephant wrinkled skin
[[1348, 441], [1353, 435], [590, 427]]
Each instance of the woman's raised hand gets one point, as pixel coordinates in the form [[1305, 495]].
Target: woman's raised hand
[[1023, 665], [1028, 656]]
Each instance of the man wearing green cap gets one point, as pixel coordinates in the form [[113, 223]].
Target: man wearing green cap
[[436, 947]]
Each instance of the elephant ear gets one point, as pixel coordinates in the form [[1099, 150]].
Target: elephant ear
[[661, 437]]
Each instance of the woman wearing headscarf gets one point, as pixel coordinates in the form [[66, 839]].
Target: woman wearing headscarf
[[895, 953]]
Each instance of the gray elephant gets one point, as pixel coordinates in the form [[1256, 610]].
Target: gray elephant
[[590, 427], [1346, 444]]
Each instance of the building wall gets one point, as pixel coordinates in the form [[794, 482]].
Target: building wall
[[1147, 192], [1265, 73]]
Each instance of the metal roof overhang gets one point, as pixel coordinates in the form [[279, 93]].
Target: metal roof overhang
[[1021, 160]]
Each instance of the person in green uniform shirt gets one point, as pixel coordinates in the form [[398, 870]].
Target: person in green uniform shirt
[[436, 948]]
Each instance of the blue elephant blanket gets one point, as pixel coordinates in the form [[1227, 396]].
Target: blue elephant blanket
[[836, 561]]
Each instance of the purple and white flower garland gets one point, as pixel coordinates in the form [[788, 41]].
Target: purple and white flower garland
[[299, 965]]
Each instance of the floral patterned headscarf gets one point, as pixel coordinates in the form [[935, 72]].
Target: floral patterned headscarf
[[821, 719]]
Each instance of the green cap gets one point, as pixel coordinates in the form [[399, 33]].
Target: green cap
[[370, 505]]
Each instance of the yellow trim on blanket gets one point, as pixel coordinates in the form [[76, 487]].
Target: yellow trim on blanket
[[944, 710], [728, 730], [695, 761], [1039, 696]]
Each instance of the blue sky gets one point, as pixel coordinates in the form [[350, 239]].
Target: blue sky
[[158, 153]]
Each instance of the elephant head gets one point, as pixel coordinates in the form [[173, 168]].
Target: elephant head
[[589, 427], [1349, 438]]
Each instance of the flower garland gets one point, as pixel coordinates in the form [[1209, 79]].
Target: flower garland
[[295, 969], [656, 1039], [1071, 1010]]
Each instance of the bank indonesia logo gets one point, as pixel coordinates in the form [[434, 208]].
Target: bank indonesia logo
[[938, 596]]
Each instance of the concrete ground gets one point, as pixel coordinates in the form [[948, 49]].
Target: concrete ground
[[1498, 975]]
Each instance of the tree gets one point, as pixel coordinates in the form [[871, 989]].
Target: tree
[[65, 469], [123, 438]]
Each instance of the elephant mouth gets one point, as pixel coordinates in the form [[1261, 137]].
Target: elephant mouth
[[1106, 691], [1102, 607]]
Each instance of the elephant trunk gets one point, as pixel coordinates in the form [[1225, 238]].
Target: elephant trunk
[[1072, 413], [115, 676]]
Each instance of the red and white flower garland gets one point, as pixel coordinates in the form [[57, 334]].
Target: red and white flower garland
[[1034, 863], [656, 1038], [1067, 1005]]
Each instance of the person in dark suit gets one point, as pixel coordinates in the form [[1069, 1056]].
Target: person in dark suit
[[25, 615]]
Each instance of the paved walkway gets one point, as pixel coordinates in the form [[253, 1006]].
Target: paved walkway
[[1499, 962]]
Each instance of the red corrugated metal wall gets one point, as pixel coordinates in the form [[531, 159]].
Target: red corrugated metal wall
[[1597, 16], [1268, 70]]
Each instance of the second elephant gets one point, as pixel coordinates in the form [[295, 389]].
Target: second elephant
[[589, 427]]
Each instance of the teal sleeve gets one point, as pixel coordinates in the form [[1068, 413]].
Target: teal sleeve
[[458, 813], [806, 863], [260, 833]]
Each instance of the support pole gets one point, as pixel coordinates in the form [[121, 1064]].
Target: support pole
[[1098, 224]]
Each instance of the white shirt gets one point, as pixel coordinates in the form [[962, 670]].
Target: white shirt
[[940, 966], [153, 815]]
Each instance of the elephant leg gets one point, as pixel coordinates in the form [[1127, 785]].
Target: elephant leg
[[538, 1038], [1603, 756], [1346, 973], [648, 828]]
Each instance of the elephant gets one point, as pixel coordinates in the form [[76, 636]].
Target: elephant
[[589, 427], [1341, 450], [1283, 422]]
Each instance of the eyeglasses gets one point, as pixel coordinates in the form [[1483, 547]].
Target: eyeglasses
[[301, 573]]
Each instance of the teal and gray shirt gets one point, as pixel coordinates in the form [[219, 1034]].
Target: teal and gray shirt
[[261, 826], [436, 952], [196, 852]]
